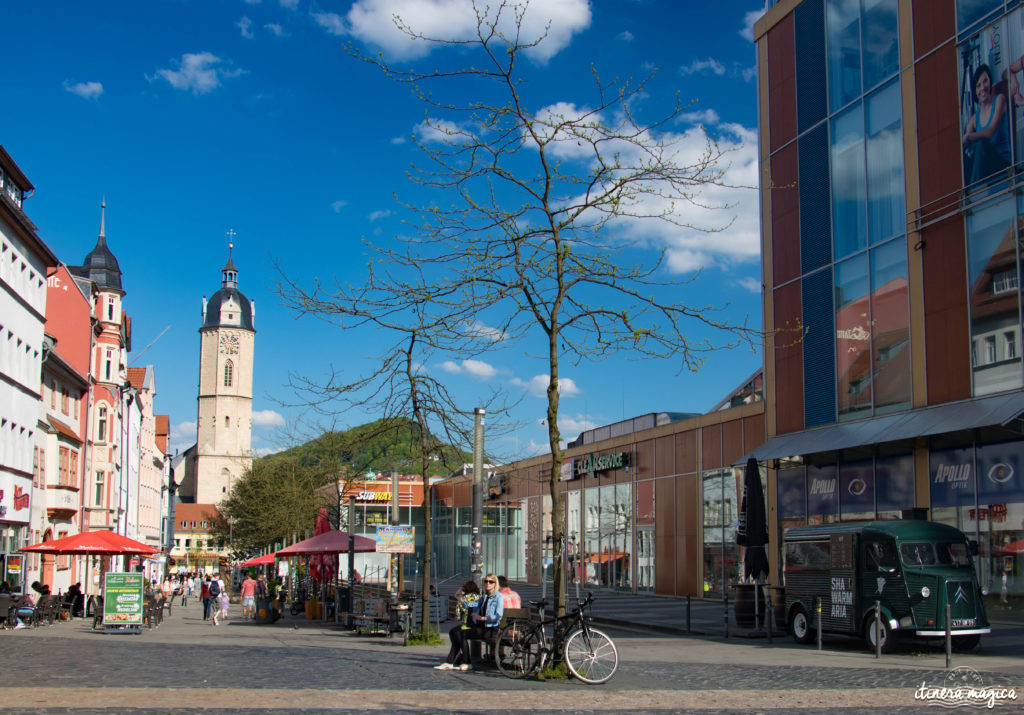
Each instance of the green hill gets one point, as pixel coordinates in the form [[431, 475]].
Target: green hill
[[381, 446]]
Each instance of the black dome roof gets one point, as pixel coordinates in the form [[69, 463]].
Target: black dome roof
[[225, 295], [100, 266]]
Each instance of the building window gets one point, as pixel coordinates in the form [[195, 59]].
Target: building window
[[1004, 281], [99, 489], [1010, 345], [108, 366], [101, 424], [65, 400], [110, 309], [229, 369], [53, 395]]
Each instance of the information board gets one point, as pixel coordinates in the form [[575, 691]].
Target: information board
[[396, 539], [122, 599]]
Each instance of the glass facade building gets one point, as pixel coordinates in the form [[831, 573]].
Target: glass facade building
[[892, 154]]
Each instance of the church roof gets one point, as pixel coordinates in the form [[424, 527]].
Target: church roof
[[225, 295]]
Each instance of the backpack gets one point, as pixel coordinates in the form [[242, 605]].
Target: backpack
[[214, 588]]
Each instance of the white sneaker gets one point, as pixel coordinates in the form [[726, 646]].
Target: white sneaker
[[20, 625], [444, 666]]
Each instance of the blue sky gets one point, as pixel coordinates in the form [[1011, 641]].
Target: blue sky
[[193, 117]]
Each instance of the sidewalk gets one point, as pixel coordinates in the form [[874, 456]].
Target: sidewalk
[[667, 615]]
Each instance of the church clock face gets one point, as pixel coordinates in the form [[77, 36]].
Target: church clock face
[[229, 344]]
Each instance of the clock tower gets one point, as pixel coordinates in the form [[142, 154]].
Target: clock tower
[[226, 342]]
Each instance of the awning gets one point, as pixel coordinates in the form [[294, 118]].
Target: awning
[[939, 419]]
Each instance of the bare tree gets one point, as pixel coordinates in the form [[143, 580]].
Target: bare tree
[[398, 389], [535, 205]]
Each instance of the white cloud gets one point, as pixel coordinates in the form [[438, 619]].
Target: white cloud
[[274, 29], [252, 2], [480, 330], [437, 131], [339, 205], [572, 425], [264, 451], [747, 31], [703, 67], [536, 448], [626, 36], [751, 284], [198, 73], [537, 386], [398, 140], [183, 431], [477, 368], [375, 215], [85, 90], [267, 418], [245, 26], [707, 116], [290, 4], [330, 21], [372, 21]]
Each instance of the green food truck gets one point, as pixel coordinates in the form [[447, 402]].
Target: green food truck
[[913, 568]]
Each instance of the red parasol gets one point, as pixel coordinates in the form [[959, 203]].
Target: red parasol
[[332, 542], [264, 560], [97, 543]]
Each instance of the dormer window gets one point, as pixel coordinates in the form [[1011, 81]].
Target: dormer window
[[10, 189]]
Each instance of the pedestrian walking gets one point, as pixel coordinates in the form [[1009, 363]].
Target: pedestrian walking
[[206, 598], [248, 593], [225, 600], [215, 594]]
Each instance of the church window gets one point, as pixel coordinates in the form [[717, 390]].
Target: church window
[[101, 424], [229, 369]]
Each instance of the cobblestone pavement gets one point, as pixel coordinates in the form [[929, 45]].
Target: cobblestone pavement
[[188, 663]]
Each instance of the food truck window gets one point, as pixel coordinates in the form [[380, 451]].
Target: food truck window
[[881, 556], [953, 554], [917, 553]]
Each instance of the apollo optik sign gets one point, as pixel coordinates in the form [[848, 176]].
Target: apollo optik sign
[[592, 464]]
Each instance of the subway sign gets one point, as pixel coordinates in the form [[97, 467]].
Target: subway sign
[[374, 496], [592, 464]]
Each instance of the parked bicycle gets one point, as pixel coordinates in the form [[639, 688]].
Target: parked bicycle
[[299, 604], [526, 646]]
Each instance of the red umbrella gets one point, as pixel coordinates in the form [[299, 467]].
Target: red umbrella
[[1014, 547], [264, 560], [332, 542], [98, 543]]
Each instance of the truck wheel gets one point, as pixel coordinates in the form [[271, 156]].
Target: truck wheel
[[888, 637], [800, 627], [965, 644]]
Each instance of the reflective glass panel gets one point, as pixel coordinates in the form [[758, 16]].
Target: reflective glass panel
[[881, 43], [645, 536], [894, 485], [849, 232], [1015, 80], [822, 507], [993, 277], [853, 337], [970, 11], [857, 490], [842, 20], [890, 327], [1000, 501], [886, 211]]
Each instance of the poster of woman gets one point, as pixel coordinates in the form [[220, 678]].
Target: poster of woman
[[984, 103], [1015, 80]]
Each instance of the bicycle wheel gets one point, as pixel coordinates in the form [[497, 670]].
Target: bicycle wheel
[[591, 656], [517, 651]]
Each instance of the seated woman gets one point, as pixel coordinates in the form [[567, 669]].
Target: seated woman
[[465, 601], [484, 619], [986, 140]]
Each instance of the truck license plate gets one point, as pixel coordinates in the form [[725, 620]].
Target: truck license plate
[[963, 622]]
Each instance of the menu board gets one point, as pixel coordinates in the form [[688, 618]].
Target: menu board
[[122, 599]]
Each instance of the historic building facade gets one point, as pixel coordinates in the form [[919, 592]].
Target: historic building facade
[[891, 139]]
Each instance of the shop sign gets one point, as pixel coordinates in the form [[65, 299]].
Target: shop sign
[[15, 498], [495, 485], [396, 539], [376, 517], [957, 476], [823, 486], [993, 512], [122, 599], [374, 496], [568, 469], [591, 464]]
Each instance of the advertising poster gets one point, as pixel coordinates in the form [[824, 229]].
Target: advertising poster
[[986, 71], [122, 599], [396, 539]]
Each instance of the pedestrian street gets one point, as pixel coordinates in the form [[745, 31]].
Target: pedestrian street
[[187, 663]]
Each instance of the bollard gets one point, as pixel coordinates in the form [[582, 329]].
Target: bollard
[[878, 629], [687, 614], [818, 601], [769, 615], [949, 636], [725, 602]]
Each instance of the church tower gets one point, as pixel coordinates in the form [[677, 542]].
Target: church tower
[[226, 342]]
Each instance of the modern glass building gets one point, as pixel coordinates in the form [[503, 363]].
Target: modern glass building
[[892, 187]]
